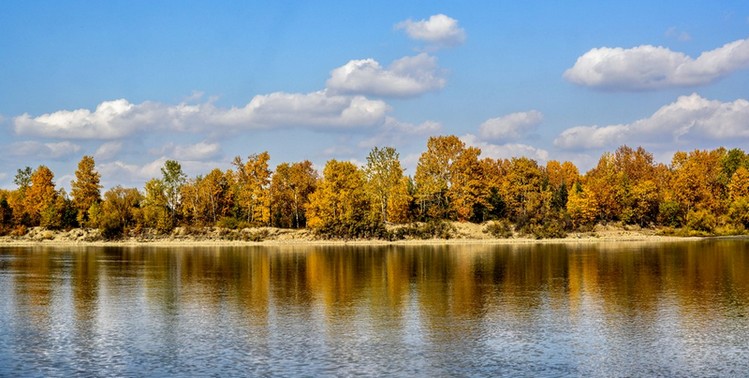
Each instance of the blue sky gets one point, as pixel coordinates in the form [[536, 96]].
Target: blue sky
[[136, 83]]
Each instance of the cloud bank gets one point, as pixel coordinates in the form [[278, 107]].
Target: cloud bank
[[649, 67], [120, 118], [689, 118]]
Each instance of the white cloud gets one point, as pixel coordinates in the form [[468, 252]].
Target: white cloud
[[648, 67], [406, 77], [43, 150], [192, 152], [110, 120], [505, 151], [108, 150], [316, 109], [510, 127], [119, 118], [688, 118], [439, 30]]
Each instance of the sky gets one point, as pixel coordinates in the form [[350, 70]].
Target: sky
[[135, 83]]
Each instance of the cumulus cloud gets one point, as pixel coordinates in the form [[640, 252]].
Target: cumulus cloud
[[505, 151], [110, 120], [688, 118], [407, 77], [438, 31], [510, 127], [120, 118], [43, 150], [316, 109], [649, 67]]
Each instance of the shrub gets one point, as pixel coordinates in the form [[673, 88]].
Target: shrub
[[701, 220], [353, 230], [501, 229], [430, 230], [670, 214]]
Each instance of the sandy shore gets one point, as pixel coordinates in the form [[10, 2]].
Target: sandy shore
[[465, 233]]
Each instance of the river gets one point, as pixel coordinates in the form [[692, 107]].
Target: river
[[609, 309]]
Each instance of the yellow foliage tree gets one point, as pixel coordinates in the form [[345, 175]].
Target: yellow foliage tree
[[434, 175], [340, 199], [469, 189], [385, 186], [581, 207], [40, 195], [252, 187], [290, 189]]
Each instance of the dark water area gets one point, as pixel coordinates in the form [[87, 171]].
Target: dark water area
[[631, 309]]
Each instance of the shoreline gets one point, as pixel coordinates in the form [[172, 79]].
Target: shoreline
[[167, 241]]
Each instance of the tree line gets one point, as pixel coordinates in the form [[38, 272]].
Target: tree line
[[699, 192]]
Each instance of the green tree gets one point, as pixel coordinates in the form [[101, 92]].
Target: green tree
[[119, 211], [173, 178], [155, 207]]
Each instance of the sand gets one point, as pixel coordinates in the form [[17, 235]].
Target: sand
[[465, 233]]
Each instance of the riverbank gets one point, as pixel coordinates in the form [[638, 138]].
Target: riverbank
[[462, 233]]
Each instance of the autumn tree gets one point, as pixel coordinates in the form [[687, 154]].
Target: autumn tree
[[434, 175], [469, 191], [291, 186], [581, 206], [40, 195], [120, 211], [450, 180], [155, 206], [561, 177], [252, 181], [385, 184], [85, 189], [17, 198], [205, 198], [339, 205], [739, 195], [696, 181], [523, 190]]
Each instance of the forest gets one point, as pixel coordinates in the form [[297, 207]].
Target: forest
[[699, 193]]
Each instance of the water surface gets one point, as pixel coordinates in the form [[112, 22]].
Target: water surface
[[675, 309]]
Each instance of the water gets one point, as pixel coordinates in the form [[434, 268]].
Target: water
[[547, 310]]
